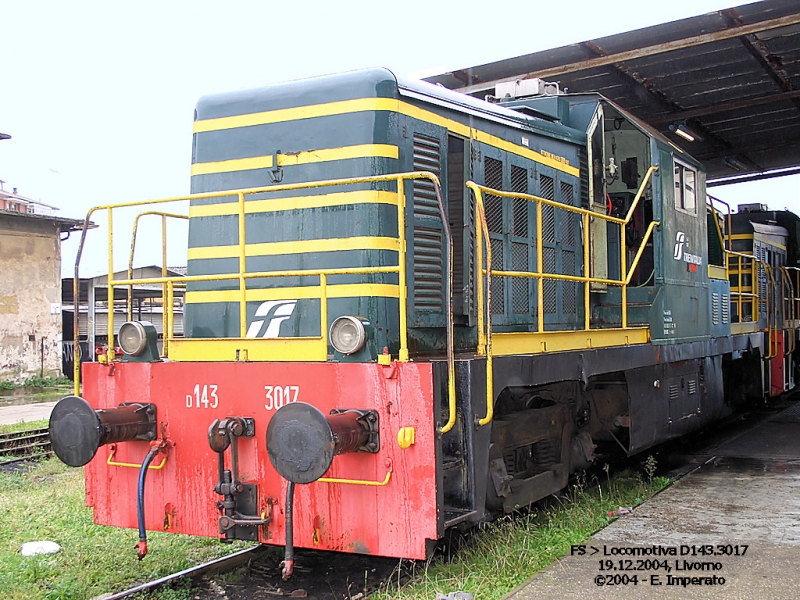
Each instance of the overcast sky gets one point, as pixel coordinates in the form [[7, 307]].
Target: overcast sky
[[99, 96]]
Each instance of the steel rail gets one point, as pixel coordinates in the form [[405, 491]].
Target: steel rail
[[226, 563], [24, 445]]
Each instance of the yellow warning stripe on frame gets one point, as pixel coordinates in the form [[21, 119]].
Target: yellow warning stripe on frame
[[299, 158], [375, 104], [295, 203], [297, 247], [355, 290]]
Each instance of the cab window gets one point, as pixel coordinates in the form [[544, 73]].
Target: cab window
[[685, 190]]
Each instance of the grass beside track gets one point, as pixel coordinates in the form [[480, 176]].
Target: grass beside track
[[47, 503], [507, 553], [14, 427]]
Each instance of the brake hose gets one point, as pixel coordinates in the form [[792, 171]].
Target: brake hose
[[141, 547]]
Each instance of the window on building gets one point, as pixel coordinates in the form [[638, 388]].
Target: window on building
[[685, 188]]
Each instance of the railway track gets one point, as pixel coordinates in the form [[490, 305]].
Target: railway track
[[24, 445]]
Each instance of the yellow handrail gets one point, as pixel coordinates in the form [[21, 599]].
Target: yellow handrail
[[112, 463], [788, 307], [243, 276], [484, 347], [166, 314]]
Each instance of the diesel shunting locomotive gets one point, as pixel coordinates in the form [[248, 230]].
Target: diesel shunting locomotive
[[407, 309]]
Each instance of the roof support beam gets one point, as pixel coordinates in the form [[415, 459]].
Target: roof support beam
[[601, 61], [725, 106]]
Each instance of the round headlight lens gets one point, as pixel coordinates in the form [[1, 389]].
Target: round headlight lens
[[132, 338], [348, 335]]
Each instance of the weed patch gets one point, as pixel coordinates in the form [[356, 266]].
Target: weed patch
[[504, 554]]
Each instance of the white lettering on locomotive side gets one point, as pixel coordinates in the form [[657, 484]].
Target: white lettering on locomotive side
[[276, 395], [204, 396], [680, 253]]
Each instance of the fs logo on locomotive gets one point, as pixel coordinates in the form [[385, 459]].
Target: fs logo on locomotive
[[276, 312], [681, 245]]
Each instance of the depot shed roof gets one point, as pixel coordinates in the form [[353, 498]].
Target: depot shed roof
[[732, 76]]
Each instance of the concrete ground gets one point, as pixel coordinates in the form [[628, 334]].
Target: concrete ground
[[23, 413], [729, 529]]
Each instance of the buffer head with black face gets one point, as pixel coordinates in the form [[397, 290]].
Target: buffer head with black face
[[75, 431], [300, 442]]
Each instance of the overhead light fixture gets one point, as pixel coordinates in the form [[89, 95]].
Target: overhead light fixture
[[686, 132], [734, 163]]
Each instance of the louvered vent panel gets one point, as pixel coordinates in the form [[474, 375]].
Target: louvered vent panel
[[493, 178], [428, 269], [726, 308], [427, 153], [520, 297], [498, 285], [674, 392], [584, 168], [715, 309], [692, 386]]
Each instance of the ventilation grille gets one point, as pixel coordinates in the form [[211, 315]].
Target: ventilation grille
[[519, 206], [568, 219], [428, 247], [427, 152], [493, 178], [692, 386], [569, 288], [498, 287], [546, 190], [715, 309], [520, 296], [674, 392], [428, 269], [726, 308]]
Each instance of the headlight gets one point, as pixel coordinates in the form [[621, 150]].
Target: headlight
[[132, 338], [348, 335]]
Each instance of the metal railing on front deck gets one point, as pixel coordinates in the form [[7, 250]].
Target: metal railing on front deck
[[310, 348], [482, 229], [750, 295], [167, 314]]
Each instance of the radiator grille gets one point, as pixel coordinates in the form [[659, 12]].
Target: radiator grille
[[568, 218], [549, 260], [498, 284], [569, 288], [493, 178], [546, 190], [520, 296], [519, 206]]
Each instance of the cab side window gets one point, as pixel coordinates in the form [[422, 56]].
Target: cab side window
[[685, 190]]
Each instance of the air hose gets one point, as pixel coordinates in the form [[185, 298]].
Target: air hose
[[141, 547], [288, 559]]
